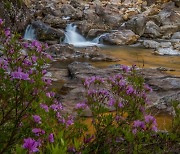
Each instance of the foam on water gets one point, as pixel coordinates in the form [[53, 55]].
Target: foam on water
[[76, 39]]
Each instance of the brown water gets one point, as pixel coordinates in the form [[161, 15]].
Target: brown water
[[164, 122], [143, 58]]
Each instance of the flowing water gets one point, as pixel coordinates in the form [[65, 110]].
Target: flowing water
[[30, 33], [76, 39]]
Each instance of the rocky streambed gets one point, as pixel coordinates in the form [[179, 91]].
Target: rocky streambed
[[150, 30]]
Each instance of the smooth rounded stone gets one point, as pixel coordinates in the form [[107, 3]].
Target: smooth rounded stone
[[45, 32], [167, 51], [176, 35], [121, 37], [151, 44], [152, 30], [137, 24]]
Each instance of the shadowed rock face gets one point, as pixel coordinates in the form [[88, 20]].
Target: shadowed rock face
[[16, 15], [44, 32]]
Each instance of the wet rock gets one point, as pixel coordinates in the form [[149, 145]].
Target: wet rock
[[151, 44], [152, 30], [167, 51], [136, 24], [123, 37], [45, 32]]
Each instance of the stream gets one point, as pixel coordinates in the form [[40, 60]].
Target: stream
[[143, 58]]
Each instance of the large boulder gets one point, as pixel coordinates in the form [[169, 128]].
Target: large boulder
[[152, 30], [55, 22], [169, 16], [122, 37], [136, 24], [45, 32], [69, 11]]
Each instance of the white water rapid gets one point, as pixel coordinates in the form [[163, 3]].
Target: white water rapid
[[74, 38], [30, 33]]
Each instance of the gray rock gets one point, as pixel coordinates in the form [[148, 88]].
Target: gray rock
[[122, 37], [169, 30], [176, 35], [152, 30], [45, 32], [151, 44], [167, 51], [136, 24]]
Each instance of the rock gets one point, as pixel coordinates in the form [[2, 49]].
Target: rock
[[167, 51], [91, 16], [151, 44], [113, 20], [169, 17], [165, 44], [69, 11], [61, 50], [176, 35], [123, 37], [169, 30], [137, 24], [165, 88], [152, 10], [55, 22], [75, 4], [130, 13], [152, 30], [95, 32], [45, 32], [177, 2], [177, 46]]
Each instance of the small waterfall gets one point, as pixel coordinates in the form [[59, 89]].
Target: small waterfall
[[74, 38], [30, 33]]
